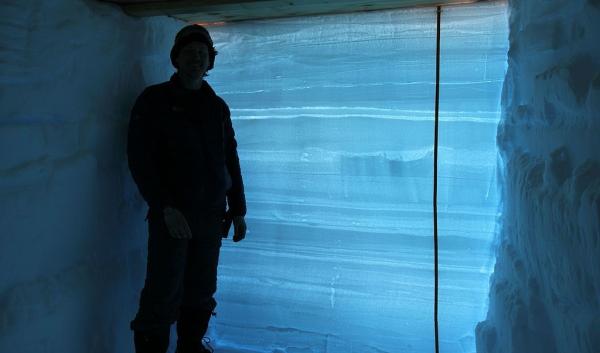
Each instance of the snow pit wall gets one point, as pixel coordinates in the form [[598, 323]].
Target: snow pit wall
[[545, 291], [73, 239], [73, 243]]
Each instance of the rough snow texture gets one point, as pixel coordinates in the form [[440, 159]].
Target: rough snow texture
[[72, 235], [545, 292]]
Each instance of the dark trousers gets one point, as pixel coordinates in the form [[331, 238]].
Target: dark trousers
[[181, 276]]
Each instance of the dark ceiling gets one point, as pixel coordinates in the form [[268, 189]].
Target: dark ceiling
[[211, 11]]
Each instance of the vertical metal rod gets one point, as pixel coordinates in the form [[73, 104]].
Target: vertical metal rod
[[435, 180]]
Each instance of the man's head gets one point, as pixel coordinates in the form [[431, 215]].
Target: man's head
[[193, 50]]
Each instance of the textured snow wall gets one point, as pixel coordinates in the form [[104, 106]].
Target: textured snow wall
[[545, 291], [72, 232], [334, 120]]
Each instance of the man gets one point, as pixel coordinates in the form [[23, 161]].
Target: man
[[183, 156]]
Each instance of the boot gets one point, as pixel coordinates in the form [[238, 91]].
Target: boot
[[203, 347], [191, 327], [151, 342]]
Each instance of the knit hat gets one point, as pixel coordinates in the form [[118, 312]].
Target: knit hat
[[193, 33]]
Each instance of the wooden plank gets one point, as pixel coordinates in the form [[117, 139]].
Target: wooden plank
[[210, 11]]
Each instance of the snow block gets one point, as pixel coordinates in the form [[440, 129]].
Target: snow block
[[545, 290], [72, 236]]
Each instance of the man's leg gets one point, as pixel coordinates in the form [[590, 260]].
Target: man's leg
[[200, 283], [163, 289]]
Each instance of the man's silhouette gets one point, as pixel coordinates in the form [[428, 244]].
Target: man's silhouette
[[182, 155]]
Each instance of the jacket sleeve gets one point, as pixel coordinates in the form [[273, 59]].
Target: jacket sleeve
[[236, 198], [141, 154]]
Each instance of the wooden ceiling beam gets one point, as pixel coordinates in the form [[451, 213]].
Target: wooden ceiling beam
[[211, 11]]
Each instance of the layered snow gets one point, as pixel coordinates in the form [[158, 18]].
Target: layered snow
[[334, 120], [545, 293], [72, 233], [334, 116]]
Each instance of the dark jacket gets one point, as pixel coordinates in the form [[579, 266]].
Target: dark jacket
[[182, 150]]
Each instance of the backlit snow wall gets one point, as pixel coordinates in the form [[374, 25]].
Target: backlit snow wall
[[545, 293], [72, 232], [334, 120]]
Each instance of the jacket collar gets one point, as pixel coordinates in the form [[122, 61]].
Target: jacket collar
[[204, 89]]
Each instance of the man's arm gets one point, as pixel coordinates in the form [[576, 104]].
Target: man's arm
[[142, 146], [141, 154], [236, 198]]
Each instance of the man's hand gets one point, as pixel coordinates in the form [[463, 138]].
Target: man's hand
[[176, 224], [239, 228]]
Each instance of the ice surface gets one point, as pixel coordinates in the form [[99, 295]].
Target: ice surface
[[545, 294], [334, 119], [72, 235]]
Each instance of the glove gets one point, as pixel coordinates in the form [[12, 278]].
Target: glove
[[239, 228], [176, 223]]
